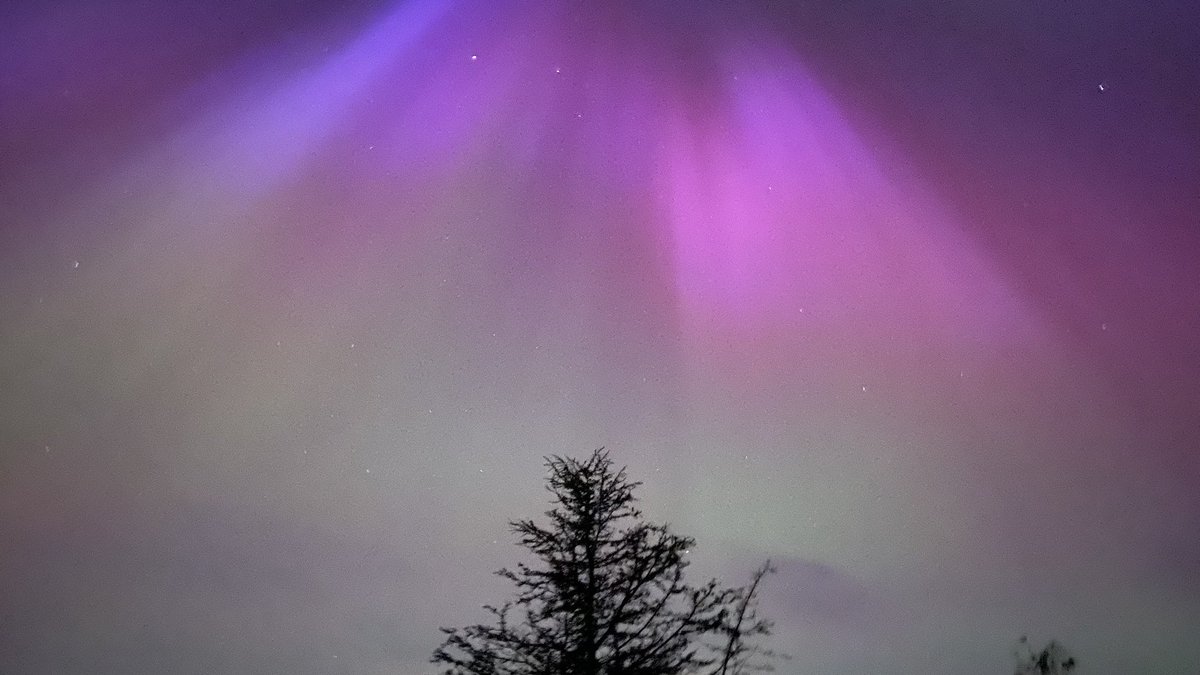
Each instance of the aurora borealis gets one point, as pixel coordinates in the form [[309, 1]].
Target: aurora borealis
[[294, 298]]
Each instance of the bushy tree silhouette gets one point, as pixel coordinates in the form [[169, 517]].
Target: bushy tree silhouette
[[1053, 659], [606, 595]]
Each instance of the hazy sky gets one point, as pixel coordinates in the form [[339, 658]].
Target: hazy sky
[[294, 297]]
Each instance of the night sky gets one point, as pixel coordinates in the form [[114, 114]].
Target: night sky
[[295, 297]]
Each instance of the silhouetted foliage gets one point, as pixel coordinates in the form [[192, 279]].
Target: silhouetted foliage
[[1052, 659], [739, 653], [606, 594]]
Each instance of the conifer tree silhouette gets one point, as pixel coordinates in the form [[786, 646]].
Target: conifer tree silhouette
[[605, 594]]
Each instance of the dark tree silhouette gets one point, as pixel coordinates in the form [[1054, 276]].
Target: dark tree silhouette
[[1053, 659], [739, 652], [606, 595]]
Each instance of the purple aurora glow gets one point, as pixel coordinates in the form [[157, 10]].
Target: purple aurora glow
[[295, 296]]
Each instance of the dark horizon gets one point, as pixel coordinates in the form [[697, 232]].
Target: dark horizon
[[294, 297]]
